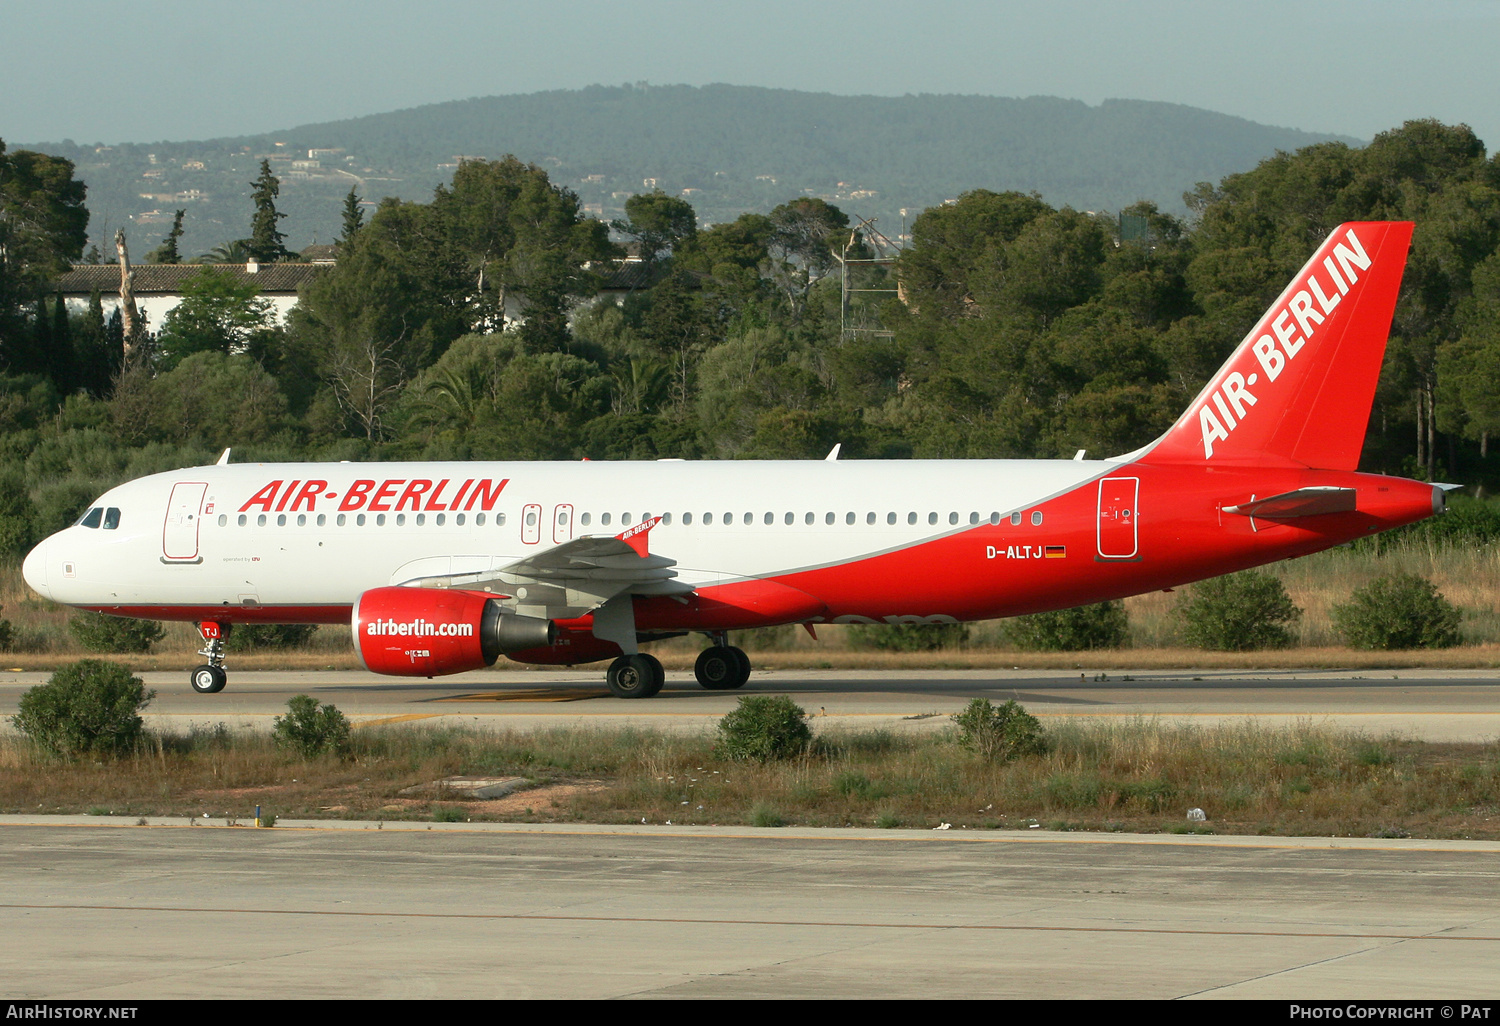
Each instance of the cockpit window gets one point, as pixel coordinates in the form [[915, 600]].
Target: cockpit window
[[112, 518], [91, 518]]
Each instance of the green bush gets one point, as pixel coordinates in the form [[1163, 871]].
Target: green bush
[[1102, 625], [311, 731], [907, 637], [999, 733], [100, 633], [1398, 611], [764, 815], [764, 727], [17, 514], [90, 706], [1237, 613], [252, 637]]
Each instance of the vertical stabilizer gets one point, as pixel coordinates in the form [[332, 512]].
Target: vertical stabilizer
[[1300, 386]]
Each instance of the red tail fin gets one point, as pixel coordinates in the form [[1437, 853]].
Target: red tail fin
[[1299, 387]]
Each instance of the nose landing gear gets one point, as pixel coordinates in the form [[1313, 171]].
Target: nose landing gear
[[211, 677]]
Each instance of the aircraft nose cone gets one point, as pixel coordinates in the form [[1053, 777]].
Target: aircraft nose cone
[[34, 569]]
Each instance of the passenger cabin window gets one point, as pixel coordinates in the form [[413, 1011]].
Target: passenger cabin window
[[1036, 519]]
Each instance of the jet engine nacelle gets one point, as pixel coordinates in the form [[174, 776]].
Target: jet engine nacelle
[[428, 632]]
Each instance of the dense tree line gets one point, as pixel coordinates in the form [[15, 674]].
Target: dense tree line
[[468, 328]]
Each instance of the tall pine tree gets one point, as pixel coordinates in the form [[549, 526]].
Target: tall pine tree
[[266, 241], [354, 218], [167, 252], [60, 362]]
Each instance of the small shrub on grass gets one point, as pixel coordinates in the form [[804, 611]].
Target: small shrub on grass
[[1102, 625], [90, 706], [1398, 611], [999, 733], [311, 731], [763, 815], [907, 637], [253, 637], [99, 633], [764, 727], [1238, 613]]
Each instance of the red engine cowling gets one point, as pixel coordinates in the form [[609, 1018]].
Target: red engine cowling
[[428, 632]]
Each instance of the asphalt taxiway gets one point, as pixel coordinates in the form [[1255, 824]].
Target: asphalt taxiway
[[97, 910], [1440, 705], [110, 909]]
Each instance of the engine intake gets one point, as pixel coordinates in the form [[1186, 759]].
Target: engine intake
[[429, 632]]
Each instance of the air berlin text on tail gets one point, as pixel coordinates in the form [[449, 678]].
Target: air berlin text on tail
[[1232, 400]]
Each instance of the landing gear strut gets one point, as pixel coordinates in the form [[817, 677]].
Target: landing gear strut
[[722, 667], [636, 676], [210, 678]]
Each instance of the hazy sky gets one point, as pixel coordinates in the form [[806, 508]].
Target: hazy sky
[[148, 70]]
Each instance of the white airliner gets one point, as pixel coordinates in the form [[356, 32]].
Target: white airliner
[[443, 567]]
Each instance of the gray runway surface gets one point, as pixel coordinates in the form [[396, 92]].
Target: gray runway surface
[[101, 911], [1438, 705], [92, 909]]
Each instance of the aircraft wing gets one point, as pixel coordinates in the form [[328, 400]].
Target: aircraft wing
[[575, 576], [1304, 502], [598, 564]]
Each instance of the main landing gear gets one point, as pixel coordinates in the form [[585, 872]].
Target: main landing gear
[[723, 667], [720, 668], [636, 676], [210, 678]]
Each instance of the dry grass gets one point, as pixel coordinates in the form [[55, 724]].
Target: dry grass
[[1138, 776]]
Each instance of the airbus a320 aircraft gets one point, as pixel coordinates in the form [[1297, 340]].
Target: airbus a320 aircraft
[[444, 567]]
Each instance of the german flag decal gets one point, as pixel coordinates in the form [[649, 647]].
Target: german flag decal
[[1056, 552]]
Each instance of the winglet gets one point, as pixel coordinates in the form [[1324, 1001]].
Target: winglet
[[223, 460], [636, 537], [833, 454]]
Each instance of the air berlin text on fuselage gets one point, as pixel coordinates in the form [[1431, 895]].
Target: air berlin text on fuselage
[[1228, 403], [394, 495]]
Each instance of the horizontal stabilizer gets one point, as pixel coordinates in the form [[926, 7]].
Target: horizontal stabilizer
[[1304, 502]]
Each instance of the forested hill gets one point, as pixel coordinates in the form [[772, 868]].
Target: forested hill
[[740, 148]]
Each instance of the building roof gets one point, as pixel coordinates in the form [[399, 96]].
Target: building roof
[[168, 279], [626, 276]]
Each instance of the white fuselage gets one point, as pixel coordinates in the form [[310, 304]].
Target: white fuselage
[[238, 543]]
